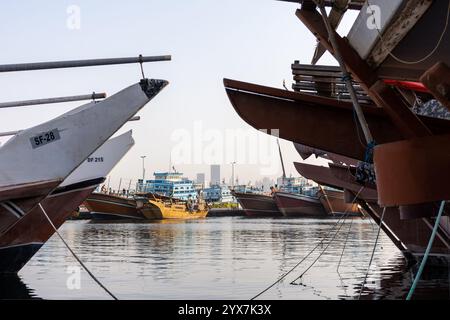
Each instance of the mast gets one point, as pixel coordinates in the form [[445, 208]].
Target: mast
[[282, 163]]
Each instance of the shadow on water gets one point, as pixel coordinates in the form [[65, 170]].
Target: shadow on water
[[13, 288]]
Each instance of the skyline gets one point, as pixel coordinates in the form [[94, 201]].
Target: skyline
[[255, 41]]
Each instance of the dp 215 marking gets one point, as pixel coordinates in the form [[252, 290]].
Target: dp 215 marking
[[95, 159], [247, 309], [44, 138]]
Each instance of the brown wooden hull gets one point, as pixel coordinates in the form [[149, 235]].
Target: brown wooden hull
[[24, 238], [334, 203], [257, 205], [17, 201], [297, 116], [296, 205], [414, 235], [410, 236], [109, 207], [328, 177]]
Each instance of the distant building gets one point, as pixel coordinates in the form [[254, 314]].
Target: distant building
[[200, 179], [215, 175]]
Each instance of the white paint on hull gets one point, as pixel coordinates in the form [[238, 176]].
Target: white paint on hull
[[81, 131], [107, 156]]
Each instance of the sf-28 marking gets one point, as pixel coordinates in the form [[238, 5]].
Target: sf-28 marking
[[45, 138]]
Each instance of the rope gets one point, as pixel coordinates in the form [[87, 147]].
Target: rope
[[427, 252], [320, 255], [373, 253], [429, 54], [305, 257], [75, 256], [345, 244]]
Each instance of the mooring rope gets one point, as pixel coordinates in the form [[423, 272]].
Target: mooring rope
[[345, 244], [427, 252], [74, 254], [373, 253], [309, 253], [320, 255]]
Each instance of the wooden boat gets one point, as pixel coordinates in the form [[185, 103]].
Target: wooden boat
[[370, 60], [35, 161], [257, 205], [111, 207], [296, 115], [327, 177], [399, 230], [25, 237], [159, 209], [305, 152], [297, 205], [334, 203]]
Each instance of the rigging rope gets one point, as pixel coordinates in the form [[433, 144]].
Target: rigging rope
[[373, 253], [427, 252], [310, 252], [345, 244], [323, 251], [74, 255], [426, 56]]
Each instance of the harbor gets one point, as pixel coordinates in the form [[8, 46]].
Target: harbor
[[308, 166], [222, 258]]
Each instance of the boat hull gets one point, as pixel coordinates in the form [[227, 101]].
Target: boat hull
[[296, 116], [258, 205], [294, 205], [334, 203], [109, 207], [23, 239], [156, 210]]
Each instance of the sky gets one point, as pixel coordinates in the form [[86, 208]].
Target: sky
[[192, 118]]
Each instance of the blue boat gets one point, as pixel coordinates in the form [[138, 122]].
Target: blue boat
[[218, 193], [170, 184]]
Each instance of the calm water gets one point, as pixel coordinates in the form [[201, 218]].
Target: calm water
[[219, 258]]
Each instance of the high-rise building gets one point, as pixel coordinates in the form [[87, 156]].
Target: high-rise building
[[215, 174], [200, 179]]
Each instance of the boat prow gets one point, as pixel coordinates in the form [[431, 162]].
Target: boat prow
[[54, 149], [318, 122], [26, 236]]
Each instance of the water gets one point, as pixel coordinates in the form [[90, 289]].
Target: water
[[220, 258]]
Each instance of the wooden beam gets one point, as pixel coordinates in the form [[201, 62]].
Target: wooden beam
[[338, 10], [409, 124], [437, 80]]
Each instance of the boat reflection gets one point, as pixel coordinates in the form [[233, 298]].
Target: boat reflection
[[13, 288]]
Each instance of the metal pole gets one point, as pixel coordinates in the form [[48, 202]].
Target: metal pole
[[8, 133], [80, 63], [24, 103], [232, 174], [346, 75], [129, 186], [120, 184], [143, 173]]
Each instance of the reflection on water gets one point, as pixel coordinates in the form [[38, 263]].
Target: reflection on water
[[220, 258]]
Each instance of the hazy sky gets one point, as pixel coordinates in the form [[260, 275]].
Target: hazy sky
[[252, 40]]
